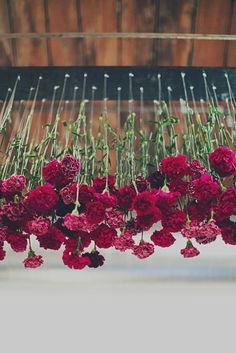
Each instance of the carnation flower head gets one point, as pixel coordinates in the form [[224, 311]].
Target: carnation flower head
[[53, 239], [114, 218], [42, 199], [95, 212], [96, 259], [205, 189], [143, 250], [86, 194], [141, 184], [223, 161], [17, 240], [124, 242], [2, 253], [99, 184], [33, 261], [196, 169], [37, 226], [156, 180], [146, 220], [228, 231], [68, 193], [125, 197], [104, 236], [163, 238], [174, 220], [144, 202], [75, 261], [189, 251], [15, 184], [174, 167]]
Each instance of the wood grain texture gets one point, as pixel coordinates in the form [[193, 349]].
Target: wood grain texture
[[28, 16], [175, 16], [138, 16], [212, 17], [231, 50], [6, 53], [99, 16]]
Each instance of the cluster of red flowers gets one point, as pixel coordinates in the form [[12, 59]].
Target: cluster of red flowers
[[181, 197]]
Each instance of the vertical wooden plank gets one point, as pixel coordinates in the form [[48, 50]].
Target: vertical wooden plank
[[138, 16], [99, 16], [6, 56], [231, 52], [175, 16], [62, 17], [28, 16], [212, 17]]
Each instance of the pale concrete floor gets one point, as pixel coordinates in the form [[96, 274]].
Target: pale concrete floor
[[164, 304]]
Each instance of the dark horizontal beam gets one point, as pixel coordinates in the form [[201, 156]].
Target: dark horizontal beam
[[146, 77]]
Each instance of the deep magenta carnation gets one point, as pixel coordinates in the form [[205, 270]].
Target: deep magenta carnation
[[95, 212], [53, 239], [145, 221], [17, 240], [86, 194], [174, 220], [143, 250], [14, 185], [75, 261], [2, 253], [205, 189], [42, 199], [33, 261], [37, 226], [223, 161], [104, 236], [125, 197], [174, 167], [144, 202], [99, 184], [189, 250], [68, 193], [163, 238]]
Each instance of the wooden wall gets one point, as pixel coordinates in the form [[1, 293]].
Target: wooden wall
[[199, 16]]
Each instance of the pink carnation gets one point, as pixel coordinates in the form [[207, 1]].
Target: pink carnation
[[143, 250], [38, 226], [114, 218], [123, 242]]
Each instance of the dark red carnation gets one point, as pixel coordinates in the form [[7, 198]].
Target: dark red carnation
[[163, 238], [141, 184], [199, 211], [166, 200], [146, 221], [68, 193], [108, 200], [99, 184], [205, 189], [180, 186], [174, 220], [95, 212], [174, 167], [144, 202], [227, 205], [196, 169], [103, 236], [52, 173], [42, 199], [125, 197], [53, 239], [70, 167], [228, 231], [96, 259], [223, 161], [15, 184], [2, 253], [17, 240], [86, 194], [75, 261], [156, 180]]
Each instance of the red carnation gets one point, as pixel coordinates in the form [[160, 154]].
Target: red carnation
[[52, 173], [174, 220], [53, 239], [95, 212], [205, 189], [143, 250], [104, 236], [223, 161], [180, 186], [146, 221], [189, 250], [42, 199], [13, 185], [75, 261], [228, 231], [141, 184], [227, 205], [13, 211], [17, 241], [166, 200], [198, 211], [33, 261], [125, 197], [70, 167], [174, 167], [106, 199], [2, 253], [86, 194], [196, 169], [144, 202], [38, 226], [124, 242], [68, 193], [99, 184], [114, 218], [156, 180], [163, 238]]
